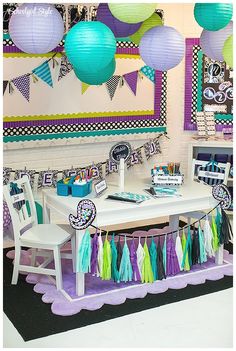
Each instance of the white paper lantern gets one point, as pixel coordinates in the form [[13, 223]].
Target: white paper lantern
[[36, 28], [212, 42], [162, 48]]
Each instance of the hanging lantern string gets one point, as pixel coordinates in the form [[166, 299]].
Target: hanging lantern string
[[104, 232], [102, 163]]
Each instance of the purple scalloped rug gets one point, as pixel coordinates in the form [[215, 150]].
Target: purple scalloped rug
[[99, 292]]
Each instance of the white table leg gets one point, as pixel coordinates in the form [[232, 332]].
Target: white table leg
[[80, 290], [219, 255], [46, 212]]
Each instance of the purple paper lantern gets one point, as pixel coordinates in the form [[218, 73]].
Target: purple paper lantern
[[162, 48], [120, 29], [6, 216], [212, 42], [36, 28]]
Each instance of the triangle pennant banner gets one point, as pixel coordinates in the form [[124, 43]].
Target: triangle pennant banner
[[44, 73], [131, 79], [22, 83], [112, 85], [5, 83], [65, 67], [149, 72], [84, 87]]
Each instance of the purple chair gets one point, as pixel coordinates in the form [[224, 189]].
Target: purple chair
[[222, 158], [203, 156]]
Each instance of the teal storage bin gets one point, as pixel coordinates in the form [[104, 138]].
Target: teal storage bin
[[78, 190], [63, 189]]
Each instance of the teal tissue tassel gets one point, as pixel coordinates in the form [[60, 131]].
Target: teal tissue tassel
[[114, 270], [202, 256], [153, 257], [84, 254], [125, 271]]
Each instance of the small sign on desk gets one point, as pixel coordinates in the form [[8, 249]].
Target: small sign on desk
[[167, 179], [100, 187]]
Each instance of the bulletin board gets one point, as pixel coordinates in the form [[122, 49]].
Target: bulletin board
[[208, 87], [66, 110]]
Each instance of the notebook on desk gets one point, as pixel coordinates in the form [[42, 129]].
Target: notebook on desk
[[128, 197], [158, 193]]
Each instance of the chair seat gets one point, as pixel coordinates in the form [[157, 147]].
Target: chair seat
[[45, 234], [67, 228]]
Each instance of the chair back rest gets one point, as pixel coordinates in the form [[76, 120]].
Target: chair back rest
[[16, 202], [210, 172]]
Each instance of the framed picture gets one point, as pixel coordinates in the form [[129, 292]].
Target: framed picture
[[208, 87]]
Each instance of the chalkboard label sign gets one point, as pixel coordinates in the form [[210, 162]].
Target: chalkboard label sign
[[120, 150]]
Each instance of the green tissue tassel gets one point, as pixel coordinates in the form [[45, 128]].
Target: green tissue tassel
[[106, 269], [147, 273]]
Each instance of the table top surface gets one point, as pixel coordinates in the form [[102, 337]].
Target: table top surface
[[194, 197]]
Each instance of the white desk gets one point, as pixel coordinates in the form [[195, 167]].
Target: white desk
[[195, 197]]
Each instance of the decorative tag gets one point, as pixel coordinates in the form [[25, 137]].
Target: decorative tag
[[211, 174], [17, 196], [111, 167], [86, 213], [6, 175], [19, 173], [221, 193], [47, 179], [100, 187], [69, 172], [96, 170], [120, 150], [135, 158], [151, 148]]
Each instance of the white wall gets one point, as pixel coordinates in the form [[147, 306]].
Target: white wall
[[74, 153]]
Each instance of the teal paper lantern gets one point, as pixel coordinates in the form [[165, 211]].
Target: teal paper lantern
[[213, 16], [96, 78], [90, 46], [132, 13]]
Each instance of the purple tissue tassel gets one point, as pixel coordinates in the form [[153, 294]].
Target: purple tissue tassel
[[172, 264], [133, 259], [94, 254]]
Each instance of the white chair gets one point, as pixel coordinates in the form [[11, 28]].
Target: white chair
[[28, 233]]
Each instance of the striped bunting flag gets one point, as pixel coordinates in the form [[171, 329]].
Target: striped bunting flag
[[44, 73]]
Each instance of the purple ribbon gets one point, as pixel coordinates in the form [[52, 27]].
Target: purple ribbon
[[133, 259], [172, 264], [94, 254]]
